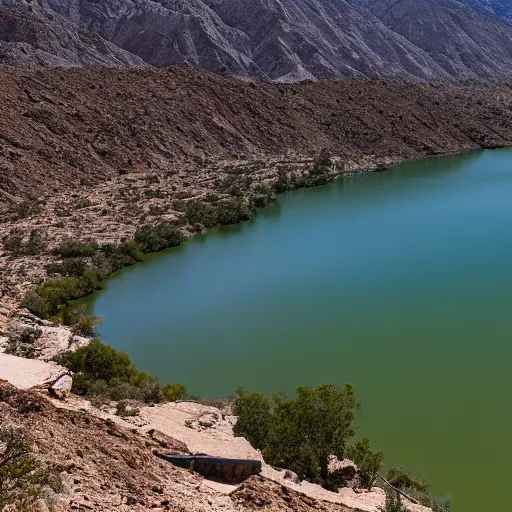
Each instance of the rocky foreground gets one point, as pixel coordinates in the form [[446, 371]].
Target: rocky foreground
[[106, 463]]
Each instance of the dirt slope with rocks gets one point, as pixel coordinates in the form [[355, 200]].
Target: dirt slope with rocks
[[64, 129], [119, 472]]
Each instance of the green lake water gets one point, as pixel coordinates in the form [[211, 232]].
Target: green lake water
[[399, 283]]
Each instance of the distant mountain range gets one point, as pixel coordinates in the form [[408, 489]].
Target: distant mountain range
[[283, 40]]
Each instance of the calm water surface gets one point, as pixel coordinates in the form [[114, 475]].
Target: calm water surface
[[399, 283]]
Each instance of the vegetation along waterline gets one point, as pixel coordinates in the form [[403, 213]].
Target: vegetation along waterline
[[293, 290]]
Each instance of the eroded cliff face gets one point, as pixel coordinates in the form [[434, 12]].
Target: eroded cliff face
[[285, 40], [501, 9], [32, 36], [459, 39]]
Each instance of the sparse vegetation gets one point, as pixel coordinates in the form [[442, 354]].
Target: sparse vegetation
[[417, 488], [102, 370], [22, 475], [393, 503], [367, 461], [70, 248], [15, 245], [80, 322]]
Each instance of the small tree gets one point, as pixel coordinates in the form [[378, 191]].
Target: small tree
[[21, 474], [367, 461], [393, 503], [301, 433], [13, 244], [35, 243], [80, 322]]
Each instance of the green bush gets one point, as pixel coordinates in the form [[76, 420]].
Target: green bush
[[173, 392], [35, 244], [72, 267], [158, 238], [367, 461], [393, 503], [99, 362], [70, 248], [102, 370], [80, 322], [300, 434], [13, 244], [254, 411], [125, 254], [417, 488], [403, 479]]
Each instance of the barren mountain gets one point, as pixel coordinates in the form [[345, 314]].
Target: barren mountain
[[31, 36], [501, 9], [285, 40], [459, 39]]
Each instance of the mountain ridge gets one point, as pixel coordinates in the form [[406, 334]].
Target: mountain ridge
[[280, 40]]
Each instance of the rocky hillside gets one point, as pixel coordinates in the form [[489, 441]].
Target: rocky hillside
[[118, 472], [63, 129], [285, 40]]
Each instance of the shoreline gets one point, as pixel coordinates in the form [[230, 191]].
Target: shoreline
[[55, 332], [12, 319]]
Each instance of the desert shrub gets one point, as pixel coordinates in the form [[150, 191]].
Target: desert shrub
[[104, 371], [417, 488], [233, 211], [80, 322], [393, 503], [36, 304], [282, 183], [403, 479], [22, 476], [125, 254], [367, 461], [99, 362], [35, 244], [157, 238], [300, 434], [254, 411], [13, 244], [173, 392], [229, 211], [72, 267], [197, 212], [322, 163], [70, 248]]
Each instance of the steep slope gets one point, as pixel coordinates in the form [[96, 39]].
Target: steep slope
[[31, 36], [459, 39], [324, 39], [501, 9], [284, 40], [68, 128]]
